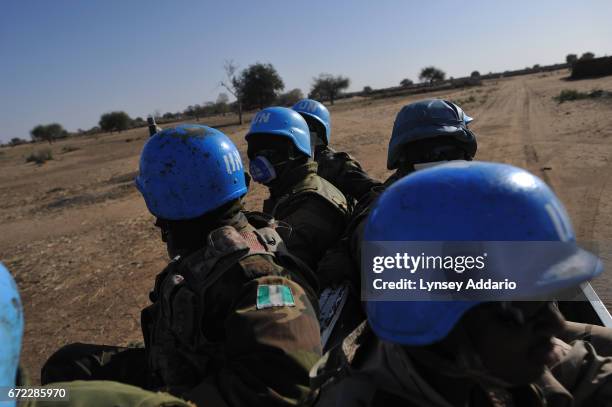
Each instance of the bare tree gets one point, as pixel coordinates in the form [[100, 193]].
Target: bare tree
[[221, 104], [232, 84]]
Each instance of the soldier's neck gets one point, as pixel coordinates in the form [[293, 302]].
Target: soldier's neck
[[191, 237]]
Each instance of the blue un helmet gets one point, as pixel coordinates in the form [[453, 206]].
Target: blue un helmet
[[189, 170], [11, 328], [428, 119], [466, 201], [315, 110], [282, 122]]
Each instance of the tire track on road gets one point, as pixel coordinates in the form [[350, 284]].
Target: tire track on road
[[535, 113]]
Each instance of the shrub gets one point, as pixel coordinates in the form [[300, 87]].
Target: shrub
[[39, 157], [460, 102], [571, 94]]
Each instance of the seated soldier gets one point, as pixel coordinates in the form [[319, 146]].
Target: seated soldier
[[432, 132], [232, 321], [337, 167], [469, 353], [425, 133], [77, 393], [281, 158]]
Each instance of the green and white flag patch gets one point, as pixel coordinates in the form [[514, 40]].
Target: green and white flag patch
[[274, 295]]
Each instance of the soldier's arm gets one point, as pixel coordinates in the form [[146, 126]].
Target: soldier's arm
[[586, 375], [272, 341], [315, 227], [342, 170]]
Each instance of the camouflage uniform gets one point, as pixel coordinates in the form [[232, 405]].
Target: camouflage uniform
[[101, 393], [316, 211], [82, 361], [365, 371], [214, 329], [344, 172], [234, 323]]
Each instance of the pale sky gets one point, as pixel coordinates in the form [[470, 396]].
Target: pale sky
[[71, 61]]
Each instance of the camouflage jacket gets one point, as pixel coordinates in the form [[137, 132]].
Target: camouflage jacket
[[344, 172], [365, 371], [234, 322], [316, 211], [101, 393]]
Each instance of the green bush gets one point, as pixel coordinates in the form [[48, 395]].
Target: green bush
[[39, 157], [570, 94]]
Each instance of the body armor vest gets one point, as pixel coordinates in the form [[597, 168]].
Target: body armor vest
[[178, 350], [312, 184]]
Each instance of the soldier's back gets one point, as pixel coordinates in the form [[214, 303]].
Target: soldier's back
[[234, 316], [317, 213]]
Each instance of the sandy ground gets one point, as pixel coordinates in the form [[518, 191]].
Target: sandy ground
[[84, 250]]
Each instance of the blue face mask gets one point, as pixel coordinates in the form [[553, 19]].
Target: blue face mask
[[262, 170]]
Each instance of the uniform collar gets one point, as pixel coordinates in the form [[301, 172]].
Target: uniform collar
[[292, 178]]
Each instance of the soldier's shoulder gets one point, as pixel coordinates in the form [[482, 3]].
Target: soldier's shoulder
[[316, 187], [333, 159]]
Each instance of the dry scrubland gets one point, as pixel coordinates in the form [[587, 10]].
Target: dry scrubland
[[84, 250]]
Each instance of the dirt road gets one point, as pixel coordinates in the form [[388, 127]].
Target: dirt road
[[85, 252]]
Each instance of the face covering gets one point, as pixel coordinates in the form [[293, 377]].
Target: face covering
[[262, 170]]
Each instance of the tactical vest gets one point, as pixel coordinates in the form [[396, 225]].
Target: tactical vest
[[310, 185], [179, 353]]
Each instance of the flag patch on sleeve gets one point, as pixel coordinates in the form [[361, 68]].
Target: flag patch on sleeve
[[274, 295]]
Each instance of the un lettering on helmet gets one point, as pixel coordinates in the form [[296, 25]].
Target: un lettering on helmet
[[232, 161], [308, 105], [559, 218], [262, 117]]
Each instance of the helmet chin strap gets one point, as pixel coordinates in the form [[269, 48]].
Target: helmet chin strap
[[422, 166]]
